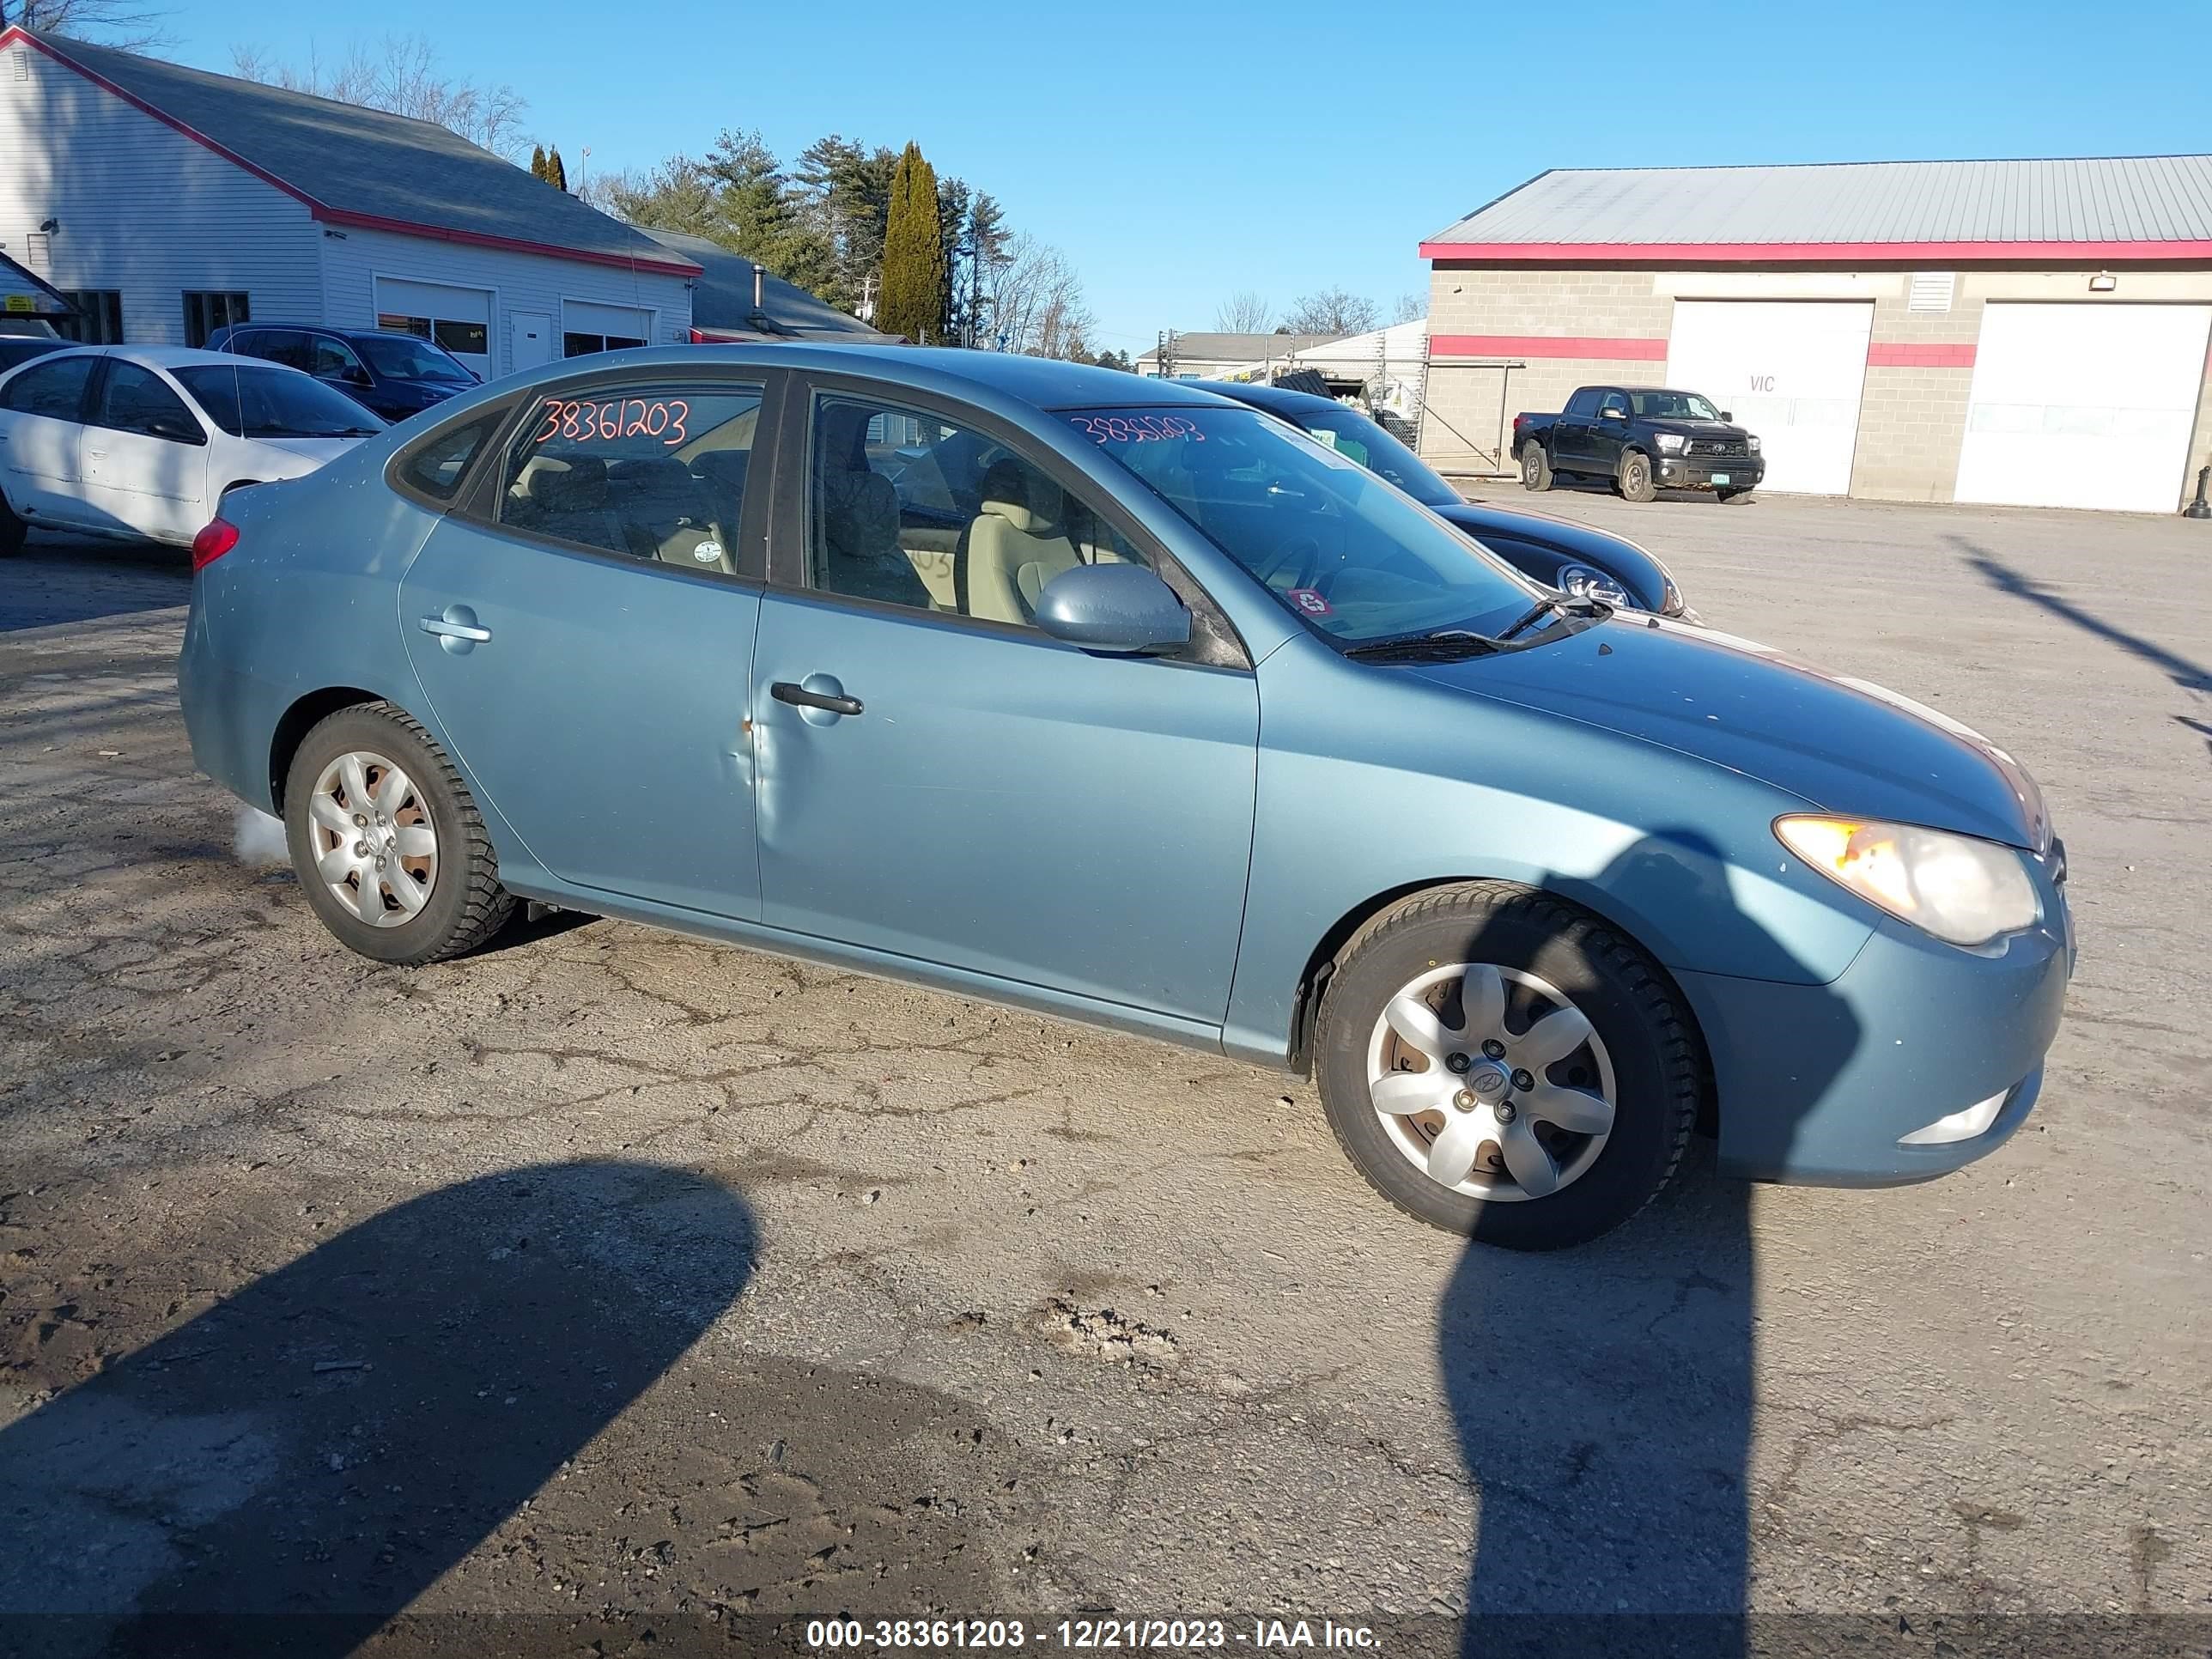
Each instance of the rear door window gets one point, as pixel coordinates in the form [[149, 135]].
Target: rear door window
[[652, 470], [55, 390]]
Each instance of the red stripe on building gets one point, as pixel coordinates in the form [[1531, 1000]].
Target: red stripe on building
[[1547, 345], [1803, 253], [1896, 353]]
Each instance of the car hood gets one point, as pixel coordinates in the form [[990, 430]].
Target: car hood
[[1845, 745], [1690, 428], [307, 453], [1644, 577]]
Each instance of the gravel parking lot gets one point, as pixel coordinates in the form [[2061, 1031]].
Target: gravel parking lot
[[610, 1280]]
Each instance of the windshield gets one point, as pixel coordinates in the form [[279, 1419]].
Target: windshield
[[1337, 547], [275, 402], [1671, 406], [1352, 435], [400, 358]]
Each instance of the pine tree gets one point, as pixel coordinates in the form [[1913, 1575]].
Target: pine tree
[[538, 160], [555, 174], [914, 275]]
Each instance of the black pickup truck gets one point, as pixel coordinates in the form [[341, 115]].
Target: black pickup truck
[[1645, 439]]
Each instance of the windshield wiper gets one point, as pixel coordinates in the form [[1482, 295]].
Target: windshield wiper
[[1442, 645], [1565, 605]]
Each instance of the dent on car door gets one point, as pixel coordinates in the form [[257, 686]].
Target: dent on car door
[[945, 783], [582, 628]]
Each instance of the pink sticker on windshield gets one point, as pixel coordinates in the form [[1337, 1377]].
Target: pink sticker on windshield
[[1310, 602]]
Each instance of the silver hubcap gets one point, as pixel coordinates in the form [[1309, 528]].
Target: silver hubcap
[[1491, 1081], [374, 845]]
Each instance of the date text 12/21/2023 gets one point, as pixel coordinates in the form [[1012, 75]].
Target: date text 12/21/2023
[[1085, 1634]]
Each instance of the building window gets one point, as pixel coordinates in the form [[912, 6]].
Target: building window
[[99, 319], [583, 345], [204, 313], [462, 339]]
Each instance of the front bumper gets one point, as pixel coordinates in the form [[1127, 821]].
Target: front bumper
[[1706, 471], [1819, 1083]]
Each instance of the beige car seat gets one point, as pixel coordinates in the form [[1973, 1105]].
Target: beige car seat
[[1018, 542]]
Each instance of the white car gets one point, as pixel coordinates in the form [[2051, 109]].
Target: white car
[[144, 441]]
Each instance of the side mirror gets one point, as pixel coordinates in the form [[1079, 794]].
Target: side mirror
[[1728, 415], [176, 428], [1612, 412], [1121, 608]]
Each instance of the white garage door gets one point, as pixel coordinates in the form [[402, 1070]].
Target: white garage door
[[587, 327], [457, 318], [1790, 371], [2083, 405]]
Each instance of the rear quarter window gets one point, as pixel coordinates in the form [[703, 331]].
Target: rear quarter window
[[434, 469]]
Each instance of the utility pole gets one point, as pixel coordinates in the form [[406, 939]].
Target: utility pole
[[1164, 354]]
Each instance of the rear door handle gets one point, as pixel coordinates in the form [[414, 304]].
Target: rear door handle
[[799, 697], [454, 630]]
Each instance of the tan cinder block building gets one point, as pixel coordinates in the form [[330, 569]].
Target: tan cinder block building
[[2030, 332]]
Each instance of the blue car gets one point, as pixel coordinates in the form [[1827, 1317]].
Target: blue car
[[388, 372], [1557, 552], [1114, 699]]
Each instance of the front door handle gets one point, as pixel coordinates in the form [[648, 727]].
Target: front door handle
[[454, 630], [799, 697]]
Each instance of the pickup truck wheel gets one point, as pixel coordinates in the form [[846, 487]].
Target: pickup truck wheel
[[1505, 1066], [1634, 478], [1730, 494], [1535, 467], [12, 530]]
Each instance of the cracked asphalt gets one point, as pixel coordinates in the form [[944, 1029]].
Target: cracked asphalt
[[608, 1278]]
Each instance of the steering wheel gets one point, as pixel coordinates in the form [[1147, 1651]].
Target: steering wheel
[[1301, 554]]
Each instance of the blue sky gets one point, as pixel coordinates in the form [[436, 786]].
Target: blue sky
[[1180, 152]]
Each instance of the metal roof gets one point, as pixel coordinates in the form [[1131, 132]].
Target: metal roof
[[722, 301], [361, 166], [1237, 347], [2149, 206]]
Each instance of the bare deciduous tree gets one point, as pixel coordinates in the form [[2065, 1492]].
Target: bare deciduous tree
[[1039, 306], [1409, 306], [1245, 312], [1331, 311], [123, 23], [401, 76]]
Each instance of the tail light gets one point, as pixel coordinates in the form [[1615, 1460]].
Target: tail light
[[217, 539]]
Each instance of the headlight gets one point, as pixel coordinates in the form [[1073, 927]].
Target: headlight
[[1963, 891], [1753, 443], [1671, 442], [1585, 583]]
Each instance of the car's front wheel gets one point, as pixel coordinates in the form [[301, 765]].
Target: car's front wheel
[[1634, 478], [1503, 1066], [388, 846]]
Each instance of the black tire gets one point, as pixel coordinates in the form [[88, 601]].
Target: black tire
[[1659, 1066], [465, 905], [1730, 494], [1535, 467], [12, 531], [1633, 478]]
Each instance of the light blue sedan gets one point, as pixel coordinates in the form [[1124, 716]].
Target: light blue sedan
[[1114, 699]]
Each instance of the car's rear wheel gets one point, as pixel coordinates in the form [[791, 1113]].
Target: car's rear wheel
[[1503, 1066], [388, 847], [1535, 467], [12, 530], [1634, 477]]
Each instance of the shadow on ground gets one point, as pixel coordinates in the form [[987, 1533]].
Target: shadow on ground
[[1604, 1404], [290, 1469]]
